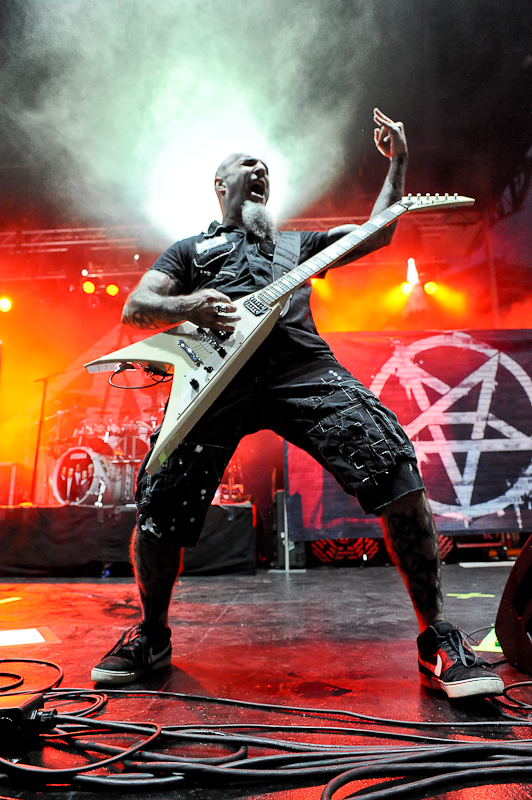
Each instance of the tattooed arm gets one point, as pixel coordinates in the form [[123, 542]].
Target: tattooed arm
[[156, 302], [390, 141]]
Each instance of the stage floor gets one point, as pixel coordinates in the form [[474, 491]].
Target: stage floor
[[326, 638]]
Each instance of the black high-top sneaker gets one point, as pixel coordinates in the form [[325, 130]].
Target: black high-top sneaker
[[447, 663]]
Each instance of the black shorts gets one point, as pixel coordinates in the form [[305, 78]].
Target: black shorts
[[315, 404]]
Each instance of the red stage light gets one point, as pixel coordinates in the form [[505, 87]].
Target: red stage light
[[5, 304], [112, 289], [88, 287]]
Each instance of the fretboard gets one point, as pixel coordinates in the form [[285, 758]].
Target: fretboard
[[296, 277]]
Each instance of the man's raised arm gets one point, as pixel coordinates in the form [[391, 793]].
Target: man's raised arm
[[390, 140]]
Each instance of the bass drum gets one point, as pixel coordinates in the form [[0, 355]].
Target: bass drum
[[83, 477]]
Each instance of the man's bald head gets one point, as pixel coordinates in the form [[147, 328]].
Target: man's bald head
[[228, 162], [232, 160]]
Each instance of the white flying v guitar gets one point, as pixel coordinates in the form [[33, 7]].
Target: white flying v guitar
[[205, 361]]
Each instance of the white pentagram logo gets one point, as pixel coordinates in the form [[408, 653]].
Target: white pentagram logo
[[489, 433]]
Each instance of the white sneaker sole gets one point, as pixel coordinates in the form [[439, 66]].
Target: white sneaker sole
[[112, 676], [473, 687]]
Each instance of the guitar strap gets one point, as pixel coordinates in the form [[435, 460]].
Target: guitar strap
[[286, 253], [286, 257]]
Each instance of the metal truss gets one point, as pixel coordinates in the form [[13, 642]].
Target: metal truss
[[111, 242], [62, 239]]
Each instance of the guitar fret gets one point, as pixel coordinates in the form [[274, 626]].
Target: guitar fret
[[333, 252], [397, 209], [268, 295]]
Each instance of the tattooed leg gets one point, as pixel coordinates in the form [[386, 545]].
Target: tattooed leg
[[156, 570], [410, 535]]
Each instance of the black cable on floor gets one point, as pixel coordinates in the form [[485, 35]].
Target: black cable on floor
[[431, 764]]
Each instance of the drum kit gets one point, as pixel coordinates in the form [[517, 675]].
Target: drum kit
[[98, 463]]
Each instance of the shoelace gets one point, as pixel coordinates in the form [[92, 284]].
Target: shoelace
[[127, 641], [455, 639]]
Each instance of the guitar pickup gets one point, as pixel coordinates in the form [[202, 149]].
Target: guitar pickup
[[257, 307], [221, 335], [190, 353]]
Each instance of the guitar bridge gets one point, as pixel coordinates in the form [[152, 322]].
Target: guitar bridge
[[190, 353]]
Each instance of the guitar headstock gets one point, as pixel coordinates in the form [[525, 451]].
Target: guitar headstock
[[425, 202]]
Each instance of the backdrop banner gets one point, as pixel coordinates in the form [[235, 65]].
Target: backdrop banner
[[465, 400]]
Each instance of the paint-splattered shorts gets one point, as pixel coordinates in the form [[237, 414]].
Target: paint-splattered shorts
[[318, 406]]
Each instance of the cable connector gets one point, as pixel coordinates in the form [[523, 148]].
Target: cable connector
[[43, 719]]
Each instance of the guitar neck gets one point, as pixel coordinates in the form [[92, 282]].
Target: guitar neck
[[292, 280]]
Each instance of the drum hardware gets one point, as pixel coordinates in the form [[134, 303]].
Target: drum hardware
[[101, 490], [231, 488]]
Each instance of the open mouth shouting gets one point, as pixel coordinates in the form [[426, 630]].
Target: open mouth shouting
[[257, 191]]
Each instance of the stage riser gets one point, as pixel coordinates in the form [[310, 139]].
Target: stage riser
[[71, 540]]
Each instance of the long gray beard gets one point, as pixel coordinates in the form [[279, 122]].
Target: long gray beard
[[258, 220]]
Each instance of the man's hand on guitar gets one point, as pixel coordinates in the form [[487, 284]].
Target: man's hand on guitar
[[390, 137], [209, 308]]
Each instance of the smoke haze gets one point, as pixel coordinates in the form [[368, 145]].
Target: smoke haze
[[129, 106]]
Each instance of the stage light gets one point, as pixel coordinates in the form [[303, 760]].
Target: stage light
[[112, 289], [5, 304], [321, 287], [84, 272], [394, 299], [88, 287], [136, 257], [430, 287], [412, 275]]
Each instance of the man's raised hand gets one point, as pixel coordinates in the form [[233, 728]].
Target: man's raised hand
[[390, 137]]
